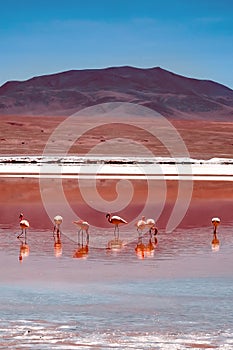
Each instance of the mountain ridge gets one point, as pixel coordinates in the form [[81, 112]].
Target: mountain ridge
[[171, 94]]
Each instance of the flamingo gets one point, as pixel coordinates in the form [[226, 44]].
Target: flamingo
[[153, 232], [83, 226], [141, 224], [215, 242], [116, 221], [215, 222], [24, 225], [57, 222], [150, 223]]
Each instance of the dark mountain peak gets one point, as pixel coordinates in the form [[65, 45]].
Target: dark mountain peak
[[164, 91]]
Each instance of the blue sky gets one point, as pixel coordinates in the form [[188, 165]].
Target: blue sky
[[189, 37]]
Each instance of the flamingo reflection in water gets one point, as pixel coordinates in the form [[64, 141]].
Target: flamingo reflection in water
[[116, 243], [81, 252], [82, 249], [215, 241], [23, 250], [147, 250], [57, 244]]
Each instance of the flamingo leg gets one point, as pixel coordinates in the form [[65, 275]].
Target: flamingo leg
[[25, 236], [57, 236], [79, 236], [82, 237], [150, 233], [87, 237], [21, 234], [118, 233], [56, 230], [139, 234]]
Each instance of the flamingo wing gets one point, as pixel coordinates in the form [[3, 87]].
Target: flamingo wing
[[141, 224], [215, 220], [24, 223], [150, 222], [58, 219], [118, 220], [85, 224], [78, 222], [82, 224]]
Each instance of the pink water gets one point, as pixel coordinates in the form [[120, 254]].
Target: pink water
[[180, 297]]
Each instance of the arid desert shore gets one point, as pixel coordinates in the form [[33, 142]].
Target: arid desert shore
[[21, 135]]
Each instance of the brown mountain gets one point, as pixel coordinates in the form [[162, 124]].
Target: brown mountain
[[64, 93]]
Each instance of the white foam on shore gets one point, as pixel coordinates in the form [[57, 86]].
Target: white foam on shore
[[109, 159], [156, 168]]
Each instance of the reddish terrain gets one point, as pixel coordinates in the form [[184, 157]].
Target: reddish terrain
[[29, 135]]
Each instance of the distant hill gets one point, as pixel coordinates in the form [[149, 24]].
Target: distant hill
[[172, 95]]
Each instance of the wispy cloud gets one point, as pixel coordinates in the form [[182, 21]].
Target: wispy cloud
[[209, 20]]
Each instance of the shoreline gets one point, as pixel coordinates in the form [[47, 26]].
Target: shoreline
[[102, 167], [110, 159]]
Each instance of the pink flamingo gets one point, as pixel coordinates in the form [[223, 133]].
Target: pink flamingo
[[57, 223], [116, 221], [215, 222], [24, 225], [150, 223], [215, 241], [83, 226], [141, 224]]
